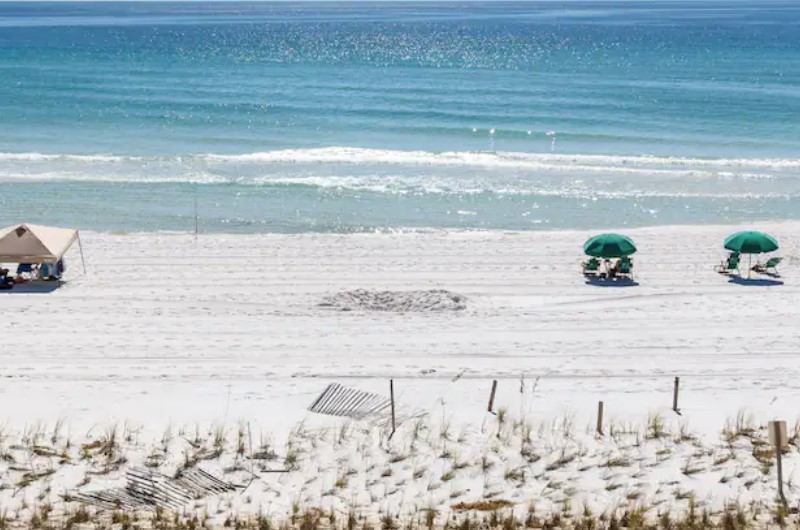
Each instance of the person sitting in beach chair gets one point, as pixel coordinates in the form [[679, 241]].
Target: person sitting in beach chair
[[52, 271], [609, 268], [771, 263], [6, 283], [729, 265], [625, 267], [47, 271], [591, 267]]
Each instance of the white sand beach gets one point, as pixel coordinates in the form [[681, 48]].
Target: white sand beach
[[165, 330]]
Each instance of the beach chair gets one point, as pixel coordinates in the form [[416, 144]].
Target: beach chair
[[729, 265], [26, 271], [625, 268], [771, 263], [591, 267], [49, 272]]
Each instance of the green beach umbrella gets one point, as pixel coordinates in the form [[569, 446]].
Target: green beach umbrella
[[609, 246], [751, 242]]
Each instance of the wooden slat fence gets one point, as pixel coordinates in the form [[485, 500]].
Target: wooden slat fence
[[147, 488], [339, 400]]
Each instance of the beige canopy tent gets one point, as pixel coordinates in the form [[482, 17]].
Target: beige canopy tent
[[28, 243]]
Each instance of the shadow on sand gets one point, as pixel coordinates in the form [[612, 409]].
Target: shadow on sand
[[618, 282], [32, 288], [763, 282]]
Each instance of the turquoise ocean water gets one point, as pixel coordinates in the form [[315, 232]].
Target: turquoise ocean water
[[340, 117]]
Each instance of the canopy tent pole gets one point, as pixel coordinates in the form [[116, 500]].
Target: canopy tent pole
[[80, 246]]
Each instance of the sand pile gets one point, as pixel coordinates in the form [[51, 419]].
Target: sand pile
[[397, 301]]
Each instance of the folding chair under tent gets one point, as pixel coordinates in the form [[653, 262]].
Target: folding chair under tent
[[26, 243]]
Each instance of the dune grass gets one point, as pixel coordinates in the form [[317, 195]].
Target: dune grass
[[355, 477]]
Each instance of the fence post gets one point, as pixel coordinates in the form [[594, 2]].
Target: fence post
[[491, 396], [777, 430], [600, 418], [675, 395]]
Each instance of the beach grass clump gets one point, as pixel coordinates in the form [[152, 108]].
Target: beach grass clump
[[485, 463], [514, 475], [564, 458], [397, 458], [618, 461], [743, 426], [527, 452], [458, 463], [264, 452], [80, 516], [31, 477], [721, 459], [388, 521], [690, 468], [445, 431], [684, 434], [655, 427], [291, 461], [483, 506]]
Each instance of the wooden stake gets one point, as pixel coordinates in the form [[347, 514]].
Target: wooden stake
[[600, 418], [675, 395], [391, 394], [491, 396], [776, 428]]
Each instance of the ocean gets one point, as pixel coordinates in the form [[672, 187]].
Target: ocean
[[393, 116]]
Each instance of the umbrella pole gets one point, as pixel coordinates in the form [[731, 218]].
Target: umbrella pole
[[749, 263]]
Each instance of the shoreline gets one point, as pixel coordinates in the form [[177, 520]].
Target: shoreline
[[733, 226]]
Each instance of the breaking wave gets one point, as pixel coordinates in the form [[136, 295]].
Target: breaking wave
[[356, 156], [346, 155], [424, 172]]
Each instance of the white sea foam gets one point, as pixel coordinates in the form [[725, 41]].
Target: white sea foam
[[356, 156], [410, 185], [50, 157], [349, 155], [122, 177], [404, 172]]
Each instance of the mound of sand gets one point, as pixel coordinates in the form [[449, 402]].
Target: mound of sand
[[397, 301]]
